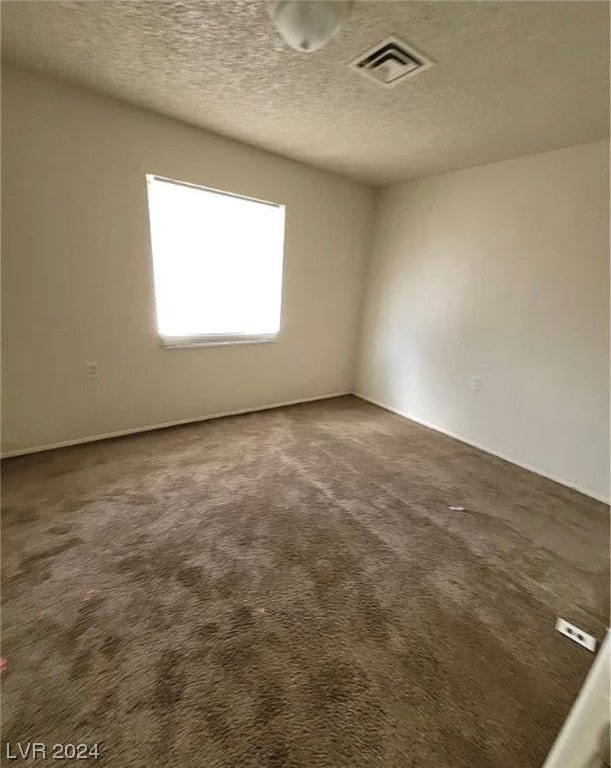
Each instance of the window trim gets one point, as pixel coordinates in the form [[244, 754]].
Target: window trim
[[215, 340], [155, 177], [211, 339]]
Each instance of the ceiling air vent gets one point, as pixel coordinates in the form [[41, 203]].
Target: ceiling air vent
[[391, 61]]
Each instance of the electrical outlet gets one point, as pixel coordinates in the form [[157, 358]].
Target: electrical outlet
[[576, 634], [475, 383], [93, 370]]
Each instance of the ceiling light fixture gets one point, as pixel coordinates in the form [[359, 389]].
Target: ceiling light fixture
[[308, 25]]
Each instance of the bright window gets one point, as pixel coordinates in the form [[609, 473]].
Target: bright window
[[217, 260]]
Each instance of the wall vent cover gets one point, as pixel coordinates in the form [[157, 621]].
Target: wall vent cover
[[391, 61]]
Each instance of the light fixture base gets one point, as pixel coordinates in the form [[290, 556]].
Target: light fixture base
[[308, 25]]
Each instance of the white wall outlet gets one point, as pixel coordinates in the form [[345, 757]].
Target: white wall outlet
[[475, 383], [93, 370], [576, 634]]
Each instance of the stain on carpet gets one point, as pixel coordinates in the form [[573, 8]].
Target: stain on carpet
[[289, 589]]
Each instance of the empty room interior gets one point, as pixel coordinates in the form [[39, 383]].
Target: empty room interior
[[305, 384]]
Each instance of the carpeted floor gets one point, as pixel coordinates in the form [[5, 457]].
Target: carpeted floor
[[288, 589]]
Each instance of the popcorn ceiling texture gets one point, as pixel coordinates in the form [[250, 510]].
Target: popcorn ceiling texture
[[511, 78]]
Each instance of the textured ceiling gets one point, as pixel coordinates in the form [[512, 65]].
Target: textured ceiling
[[511, 78]]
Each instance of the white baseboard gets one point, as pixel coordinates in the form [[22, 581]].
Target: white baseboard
[[164, 424], [484, 448], [270, 406]]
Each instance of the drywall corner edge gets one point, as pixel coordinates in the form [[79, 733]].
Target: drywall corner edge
[[377, 193]]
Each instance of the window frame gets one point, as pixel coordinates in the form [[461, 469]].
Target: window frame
[[212, 339]]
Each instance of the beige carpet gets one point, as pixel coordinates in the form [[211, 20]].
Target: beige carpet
[[289, 589]]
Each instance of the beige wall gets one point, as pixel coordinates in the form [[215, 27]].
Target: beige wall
[[502, 272], [499, 271], [76, 270]]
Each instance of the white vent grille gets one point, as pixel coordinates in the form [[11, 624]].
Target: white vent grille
[[391, 61]]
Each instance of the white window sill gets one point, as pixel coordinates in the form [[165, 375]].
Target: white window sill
[[186, 342]]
